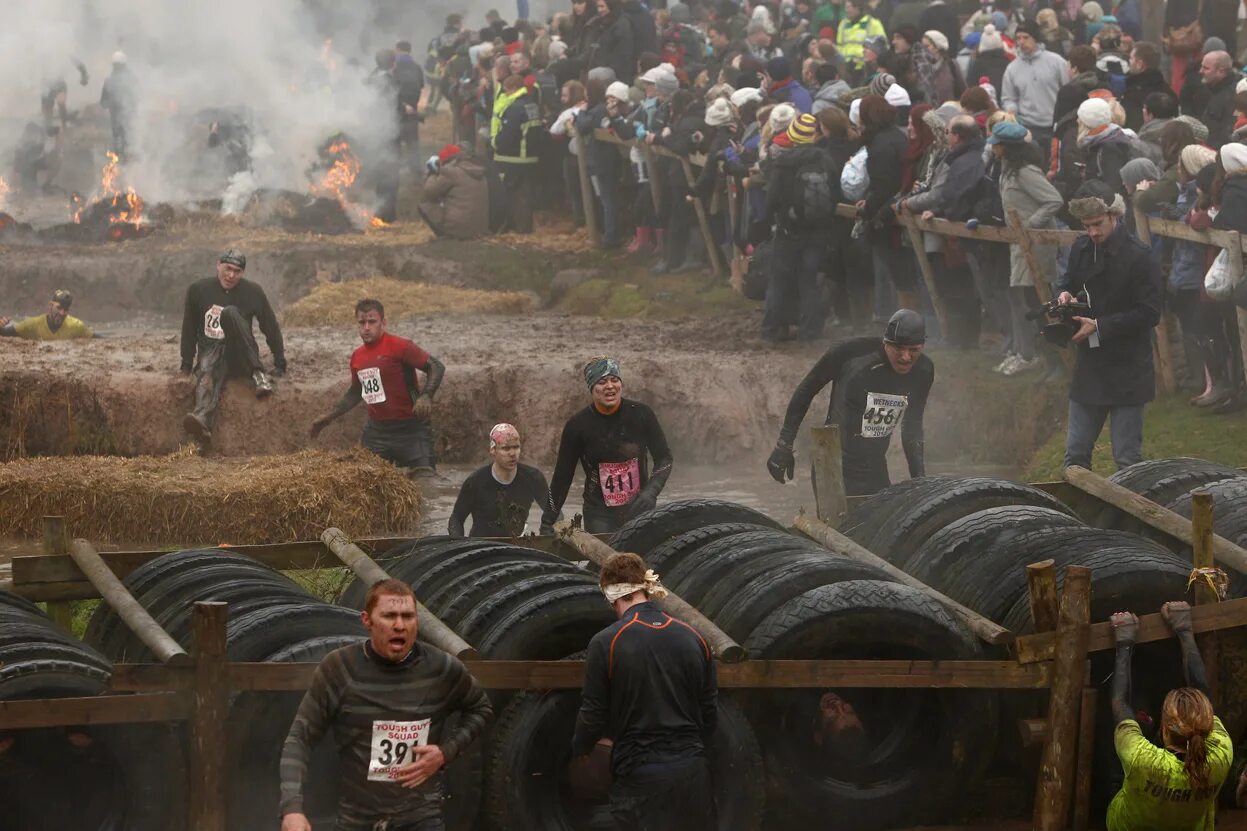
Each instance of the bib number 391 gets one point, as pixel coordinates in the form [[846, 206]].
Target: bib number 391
[[212, 323], [392, 743], [883, 414], [620, 481], [370, 385]]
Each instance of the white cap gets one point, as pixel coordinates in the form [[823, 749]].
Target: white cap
[[1094, 112], [119, 57], [618, 91], [855, 112], [744, 95], [897, 96]]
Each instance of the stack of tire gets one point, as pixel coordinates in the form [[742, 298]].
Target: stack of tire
[[516, 603], [1166, 482], [785, 597], [128, 776], [971, 538], [271, 618]]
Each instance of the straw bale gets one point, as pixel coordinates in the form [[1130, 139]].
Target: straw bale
[[562, 239], [333, 304], [184, 499]]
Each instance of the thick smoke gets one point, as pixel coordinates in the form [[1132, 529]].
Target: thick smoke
[[296, 70]]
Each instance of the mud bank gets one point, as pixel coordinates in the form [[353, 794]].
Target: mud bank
[[719, 400]]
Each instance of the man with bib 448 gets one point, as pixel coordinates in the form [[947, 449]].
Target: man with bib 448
[[386, 701], [877, 388], [383, 376], [610, 439]]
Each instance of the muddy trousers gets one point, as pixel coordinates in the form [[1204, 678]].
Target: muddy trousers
[[234, 355], [405, 443], [670, 797]]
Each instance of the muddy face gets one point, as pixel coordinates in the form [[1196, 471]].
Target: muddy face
[[607, 393], [506, 456], [392, 625], [902, 358], [228, 275], [371, 325], [56, 314]]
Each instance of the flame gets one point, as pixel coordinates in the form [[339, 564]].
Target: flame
[[4, 190], [327, 58], [124, 207], [338, 179], [76, 206], [378, 222]]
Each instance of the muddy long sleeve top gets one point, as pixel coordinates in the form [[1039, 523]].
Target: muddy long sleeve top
[[375, 711], [201, 318]]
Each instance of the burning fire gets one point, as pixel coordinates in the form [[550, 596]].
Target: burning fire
[[124, 208], [4, 191], [338, 179]]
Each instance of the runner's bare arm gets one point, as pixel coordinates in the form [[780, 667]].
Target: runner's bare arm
[[345, 404]]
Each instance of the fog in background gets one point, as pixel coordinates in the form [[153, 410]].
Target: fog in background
[[297, 69]]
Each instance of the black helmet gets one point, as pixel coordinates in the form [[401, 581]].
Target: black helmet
[[906, 328]]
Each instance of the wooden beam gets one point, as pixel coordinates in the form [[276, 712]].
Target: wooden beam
[[1027, 245], [1055, 792], [724, 647], [208, 718], [703, 221], [1086, 758], [132, 614], [828, 474], [1227, 614], [586, 189], [908, 220], [833, 540], [1153, 515], [97, 709], [432, 629], [56, 544], [1045, 608], [1205, 594], [1033, 731], [151, 678], [1164, 358]]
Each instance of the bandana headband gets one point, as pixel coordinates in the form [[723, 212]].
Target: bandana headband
[[650, 586], [501, 432]]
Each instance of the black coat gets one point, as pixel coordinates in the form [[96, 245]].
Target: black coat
[[1232, 215], [1218, 113], [1138, 88], [613, 46], [1105, 161], [884, 150], [1125, 285], [991, 63], [644, 31]]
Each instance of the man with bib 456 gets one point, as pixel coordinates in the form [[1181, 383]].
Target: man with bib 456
[[610, 439], [383, 376], [877, 388], [386, 701]]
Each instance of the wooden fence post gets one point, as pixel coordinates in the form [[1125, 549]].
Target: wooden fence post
[[1045, 607], [1086, 747], [209, 714], [1164, 356], [655, 186], [928, 272], [1201, 547], [56, 542], [1028, 253], [712, 247], [830, 501], [586, 188], [1056, 770], [1236, 264]]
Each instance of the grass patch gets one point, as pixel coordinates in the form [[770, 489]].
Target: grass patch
[[656, 297], [333, 304], [1171, 427], [325, 583]]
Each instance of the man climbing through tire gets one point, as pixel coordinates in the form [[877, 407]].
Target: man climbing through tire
[[610, 439], [383, 375], [499, 495], [1174, 786], [877, 388], [218, 341], [387, 701], [649, 685]]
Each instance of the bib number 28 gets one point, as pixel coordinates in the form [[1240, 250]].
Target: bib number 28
[[392, 743]]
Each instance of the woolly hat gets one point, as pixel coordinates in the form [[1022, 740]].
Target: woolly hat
[[719, 113], [897, 96], [855, 112], [1234, 157], [881, 82], [1095, 113], [804, 129], [1000, 20], [1138, 170], [1092, 11], [618, 91], [991, 39], [878, 45], [1214, 44], [741, 97], [1197, 127], [781, 116], [938, 38], [778, 68], [679, 13], [448, 152], [1195, 157], [602, 73], [755, 28], [973, 40], [1030, 27], [1008, 132], [1095, 198]]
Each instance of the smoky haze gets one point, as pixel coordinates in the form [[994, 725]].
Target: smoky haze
[[297, 71]]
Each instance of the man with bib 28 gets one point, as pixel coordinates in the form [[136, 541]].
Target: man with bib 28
[[383, 376], [386, 701], [610, 439], [878, 387]]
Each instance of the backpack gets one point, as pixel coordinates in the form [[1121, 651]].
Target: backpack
[[814, 194]]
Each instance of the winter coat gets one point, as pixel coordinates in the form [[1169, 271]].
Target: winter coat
[[884, 151], [991, 64], [644, 31], [791, 92], [954, 179], [1232, 213], [1105, 158], [612, 46], [941, 17], [1190, 259], [604, 159], [783, 192], [455, 200], [1162, 192], [1030, 86], [1124, 283], [1070, 95], [828, 95], [1150, 132], [1037, 202], [1138, 88], [1218, 114]]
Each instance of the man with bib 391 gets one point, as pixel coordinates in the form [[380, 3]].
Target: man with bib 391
[[877, 388], [386, 700], [383, 376]]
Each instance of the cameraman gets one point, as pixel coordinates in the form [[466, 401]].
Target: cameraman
[[1113, 375], [455, 199]]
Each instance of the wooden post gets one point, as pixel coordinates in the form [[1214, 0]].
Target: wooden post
[[1236, 266], [928, 272], [655, 186], [209, 715], [830, 500], [1056, 770], [132, 613], [1045, 608], [56, 542], [1164, 355], [432, 629], [712, 247], [593, 549], [1027, 244], [586, 188], [833, 540], [1086, 757], [1201, 548]]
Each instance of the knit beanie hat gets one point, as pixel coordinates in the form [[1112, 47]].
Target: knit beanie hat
[[1092, 11], [881, 82], [938, 38], [1197, 127], [719, 113], [781, 116], [1234, 157], [1095, 113], [618, 91], [804, 129], [897, 96], [855, 112], [1214, 44], [1138, 170], [602, 73], [991, 39], [743, 96], [1195, 157]]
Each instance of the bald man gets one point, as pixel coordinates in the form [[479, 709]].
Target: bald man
[[499, 496], [1218, 75]]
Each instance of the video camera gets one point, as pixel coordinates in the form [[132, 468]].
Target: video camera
[[1060, 325]]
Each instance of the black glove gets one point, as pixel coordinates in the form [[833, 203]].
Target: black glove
[[277, 372], [781, 462], [186, 369], [643, 503]]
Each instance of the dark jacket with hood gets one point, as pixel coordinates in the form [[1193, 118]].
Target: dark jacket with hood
[[1124, 283], [1218, 113], [1104, 160], [644, 31], [1138, 88], [783, 190], [612, 45], [1075, 92], [884, 150], [992, 64], [1232, 215], [789, 91]]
